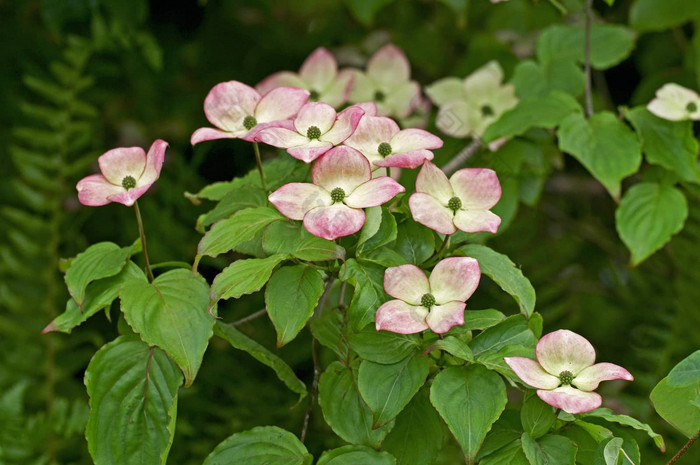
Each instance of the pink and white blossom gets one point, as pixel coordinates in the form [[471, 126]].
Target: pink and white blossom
[[332, 206], [565, 372], [675, 103], [461, 202], [436, 302], [239, 112], [127, 173], [319, 75], [316, 129], [385, 145]]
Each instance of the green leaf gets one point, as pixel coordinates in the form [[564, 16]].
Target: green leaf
[[648, 215], [383, 346], [235, 200], [676, 406], [507, 430], [535, 112], [355, 455], [327, 330], [242, 342], [244, 277], [384, 256], [172, 314], [512, 454], [368, 281], [241, 227], [536, 416], [608, 415], [98, 295], [654, 15], [609, 452], [604, 145], [454, 347], [513, 331], [387, 389], [470, 400], [418, 433], [610, 44], [379, 232], [670, 144], [291, 297], [415, 242], [686, 372], [293, 239], [549, 450], [133, 402], [344, 410], [365, 10], [100, 260], [482, 319], [504, 273], [262, 445], [595, 431]]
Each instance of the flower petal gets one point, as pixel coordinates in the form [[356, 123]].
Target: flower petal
[[319, 69], [154, 162], [252, 135], [443, 317], [458, 119], [477, 188], [310, 151], [228, 103], [431, 213], [342, 167], [370, 132], [445, 90], [94, 190], [337, 92], [118, 163], [590, 377], [129, 197], [564, 350], [363, 88], [317, 114], [280, 104], [571, 400], [408, 160], [388, 66], [400, 100], [407, 283], [454, 278], [432, 181], [374, 192], [295, 199], [205, 134], [281, 137], [334, 221], [280, 79], [532, 373], [399, 317], [477, 221], [484, 80], [345, 125], [414, 139]]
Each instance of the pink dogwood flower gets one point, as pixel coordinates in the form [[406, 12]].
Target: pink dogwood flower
[[387, 83], [316, 129], [564, 373], [342, 186], [675, 103], [238, 111], [462, 202], [319, 75], [127, 173], [437, 302], [385, 145]]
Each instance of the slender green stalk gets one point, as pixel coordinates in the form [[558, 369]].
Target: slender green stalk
[[256, 148], [149, 272], [587, 63], [172, 264]]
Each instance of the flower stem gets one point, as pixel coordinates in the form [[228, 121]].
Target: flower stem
[[684, 449], [256, 148], [587, 62], [149, 272]]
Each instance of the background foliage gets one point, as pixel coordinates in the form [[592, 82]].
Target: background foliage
[[82, 76]]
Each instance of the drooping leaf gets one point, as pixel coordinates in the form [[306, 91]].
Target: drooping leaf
[[262, 445], [609, 452], [133, 403], [355, 455], [244, 277], [242, 226], [381, 230], [608, 415], [171, 313]]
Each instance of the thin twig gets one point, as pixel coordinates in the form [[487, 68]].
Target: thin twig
[[250, 317], [465, 154], [684, 449], [587, 64]]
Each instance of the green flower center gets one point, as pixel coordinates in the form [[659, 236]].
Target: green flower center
[[314, 95], [566, 377], [379, 96], [691, 107], [249, 122], [313, 133], [384, 149], [486, 110], [454, 204], [337, 195], [128, 182], [427, 301]]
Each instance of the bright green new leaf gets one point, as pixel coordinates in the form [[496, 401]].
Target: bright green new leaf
[[676, 405], [686, 372], [604, 145], [291, 297], [262, 445], [482, 319], [383, 347], [235, 200], [355, 455], [608, 415], [133, 403], [470, 399], [648, 215], [454, 347], [244, 277], [513, 331], [549, 450], [241, 227], [171, 313]]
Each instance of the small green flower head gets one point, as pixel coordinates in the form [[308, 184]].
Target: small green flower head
[[128, 182], [249, 122], [691, 107], [379, 96], [427, 301], [486, 111], [314, 95], [384, 149], [313, 133], [566, 377], [454, 204], [337, 195]]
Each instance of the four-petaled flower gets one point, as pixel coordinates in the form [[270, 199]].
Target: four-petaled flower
[[127, 173], [675, 103], [385, 145], [436, 302], [387, 83], [342, 186], [319, 75], [564, 373], [317, 128], [469, 106], [462, 202], [239, 111]]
